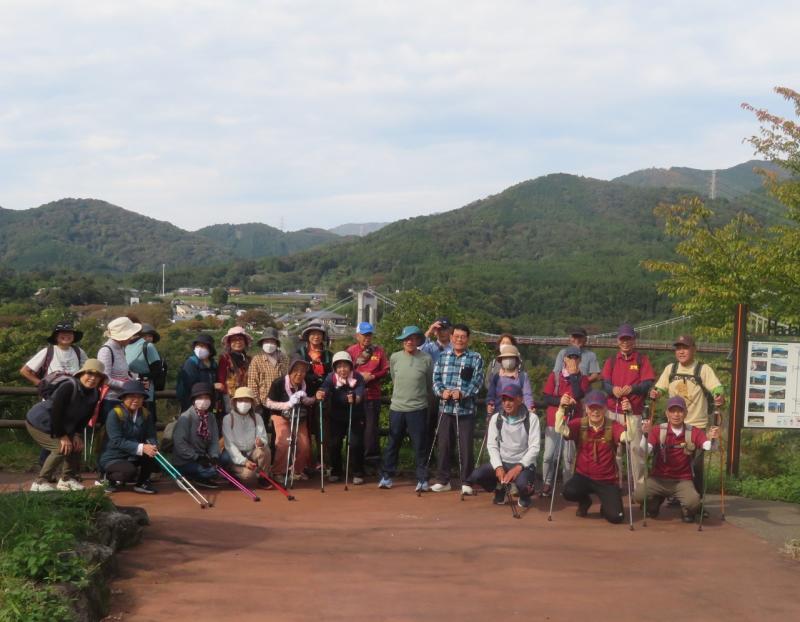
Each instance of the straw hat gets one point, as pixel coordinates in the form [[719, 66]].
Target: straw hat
[[244, 393], [91, 365]]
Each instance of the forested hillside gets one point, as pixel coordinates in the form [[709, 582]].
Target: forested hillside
[[254, 240]]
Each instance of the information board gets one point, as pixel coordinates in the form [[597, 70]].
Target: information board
[[772, 385]]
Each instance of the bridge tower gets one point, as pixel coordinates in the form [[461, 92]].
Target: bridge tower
[[367, 307]]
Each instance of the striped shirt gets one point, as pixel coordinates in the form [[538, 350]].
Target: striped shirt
[[463, 373]]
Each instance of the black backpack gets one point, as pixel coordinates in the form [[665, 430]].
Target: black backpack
[[499, 424], [48, 385], [158, 370]]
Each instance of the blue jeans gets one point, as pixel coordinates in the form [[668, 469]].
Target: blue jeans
[[415, 424], [485, 477]]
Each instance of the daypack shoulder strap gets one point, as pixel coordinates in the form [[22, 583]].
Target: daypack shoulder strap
[[48, 358], [110, 350]]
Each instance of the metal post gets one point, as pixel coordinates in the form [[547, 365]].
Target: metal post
[[738, 385]]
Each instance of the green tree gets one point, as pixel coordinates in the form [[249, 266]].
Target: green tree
[[219, 296]]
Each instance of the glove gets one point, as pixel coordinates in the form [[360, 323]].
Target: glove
[[300, 395], [294, 400]]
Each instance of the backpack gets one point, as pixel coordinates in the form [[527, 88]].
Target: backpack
[[48, 358], [695, 375], [51, 382], [607, 438], [166, 444], [158, 370], [688, 446], [499, 424]]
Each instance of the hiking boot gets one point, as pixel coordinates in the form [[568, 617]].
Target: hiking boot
[[499, 496], [108, 485], [145, 488], [69, 484], [547, 490], [673, 502], [525, 502], [437, 487], [422, 487], [357, 481], [583, 508], [262, 483], [42, 486], [654, 507], [467, 491], [210, 484], [686, 517], [386, 483]]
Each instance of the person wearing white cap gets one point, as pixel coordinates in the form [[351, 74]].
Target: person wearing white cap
[[371, 362], [346, 390], [246, 441], [112, 354]]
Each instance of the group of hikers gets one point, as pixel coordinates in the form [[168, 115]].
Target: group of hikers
[[274, 417]]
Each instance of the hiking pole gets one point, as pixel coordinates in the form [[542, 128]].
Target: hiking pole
[[182, 482], [722, 465], [629, 467], [347, 459], [458, 453], [555, 478], [514, 510], [648, 408], [435, 436], [706, 468], [321, 452], [238, 484], [292, 435], [278, 487]]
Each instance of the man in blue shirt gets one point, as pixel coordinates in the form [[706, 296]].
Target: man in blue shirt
[[442, 330], [457, 378], [589, 365]]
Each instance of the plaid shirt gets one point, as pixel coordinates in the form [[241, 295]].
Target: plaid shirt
[[262, 373], [453, 372]]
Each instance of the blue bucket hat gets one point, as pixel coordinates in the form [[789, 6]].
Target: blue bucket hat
[[408, 331]]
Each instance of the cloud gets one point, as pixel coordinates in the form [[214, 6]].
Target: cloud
[[325, 113]]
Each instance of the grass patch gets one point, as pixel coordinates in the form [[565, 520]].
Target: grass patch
[[18, 452], [38, 536]]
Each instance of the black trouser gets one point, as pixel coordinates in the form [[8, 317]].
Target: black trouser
[[579, 487], [126, 470], [447, 434], [372, 432], [697, 471], [338, 436]]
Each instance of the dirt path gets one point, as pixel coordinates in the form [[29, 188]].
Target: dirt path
[[370, 554]]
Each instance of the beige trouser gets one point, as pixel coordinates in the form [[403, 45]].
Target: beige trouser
[[682, 489], [634, 428], [56, 464], [259, 455]]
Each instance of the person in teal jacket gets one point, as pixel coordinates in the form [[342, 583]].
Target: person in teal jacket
[[130, 446]]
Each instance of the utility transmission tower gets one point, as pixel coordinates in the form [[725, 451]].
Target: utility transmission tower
[[713, 192]]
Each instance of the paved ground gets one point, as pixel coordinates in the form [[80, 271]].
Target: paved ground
[[369, 554]]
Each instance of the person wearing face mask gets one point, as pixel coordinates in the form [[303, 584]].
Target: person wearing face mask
[[346, 390], [233, 363], [266, 367], [509, 371], [195, 439], [200, 366], [130, 444], [569, 381], [505, 339], [288, 394], [246, 443]]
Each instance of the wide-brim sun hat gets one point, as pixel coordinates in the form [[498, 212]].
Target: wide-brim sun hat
[[244, 393], [236, 331], [297, 360], [65, 327], [201, 388], [91, 365], [312, 327], [149, 329], [269, 333], [342, 355], [122, 329], [508, 351], [408, 331], [133, 387]]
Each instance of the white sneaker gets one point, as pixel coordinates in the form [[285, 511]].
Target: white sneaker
[[437, 487], [466, 490], [69, 484], [357, 481], [42, 487]]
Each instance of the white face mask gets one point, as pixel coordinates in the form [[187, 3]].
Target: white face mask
[[269, 347], [202, 353], [202, 404], [508, 363], [243, 407]]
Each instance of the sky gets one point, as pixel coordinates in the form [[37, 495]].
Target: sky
[[314, 114]]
